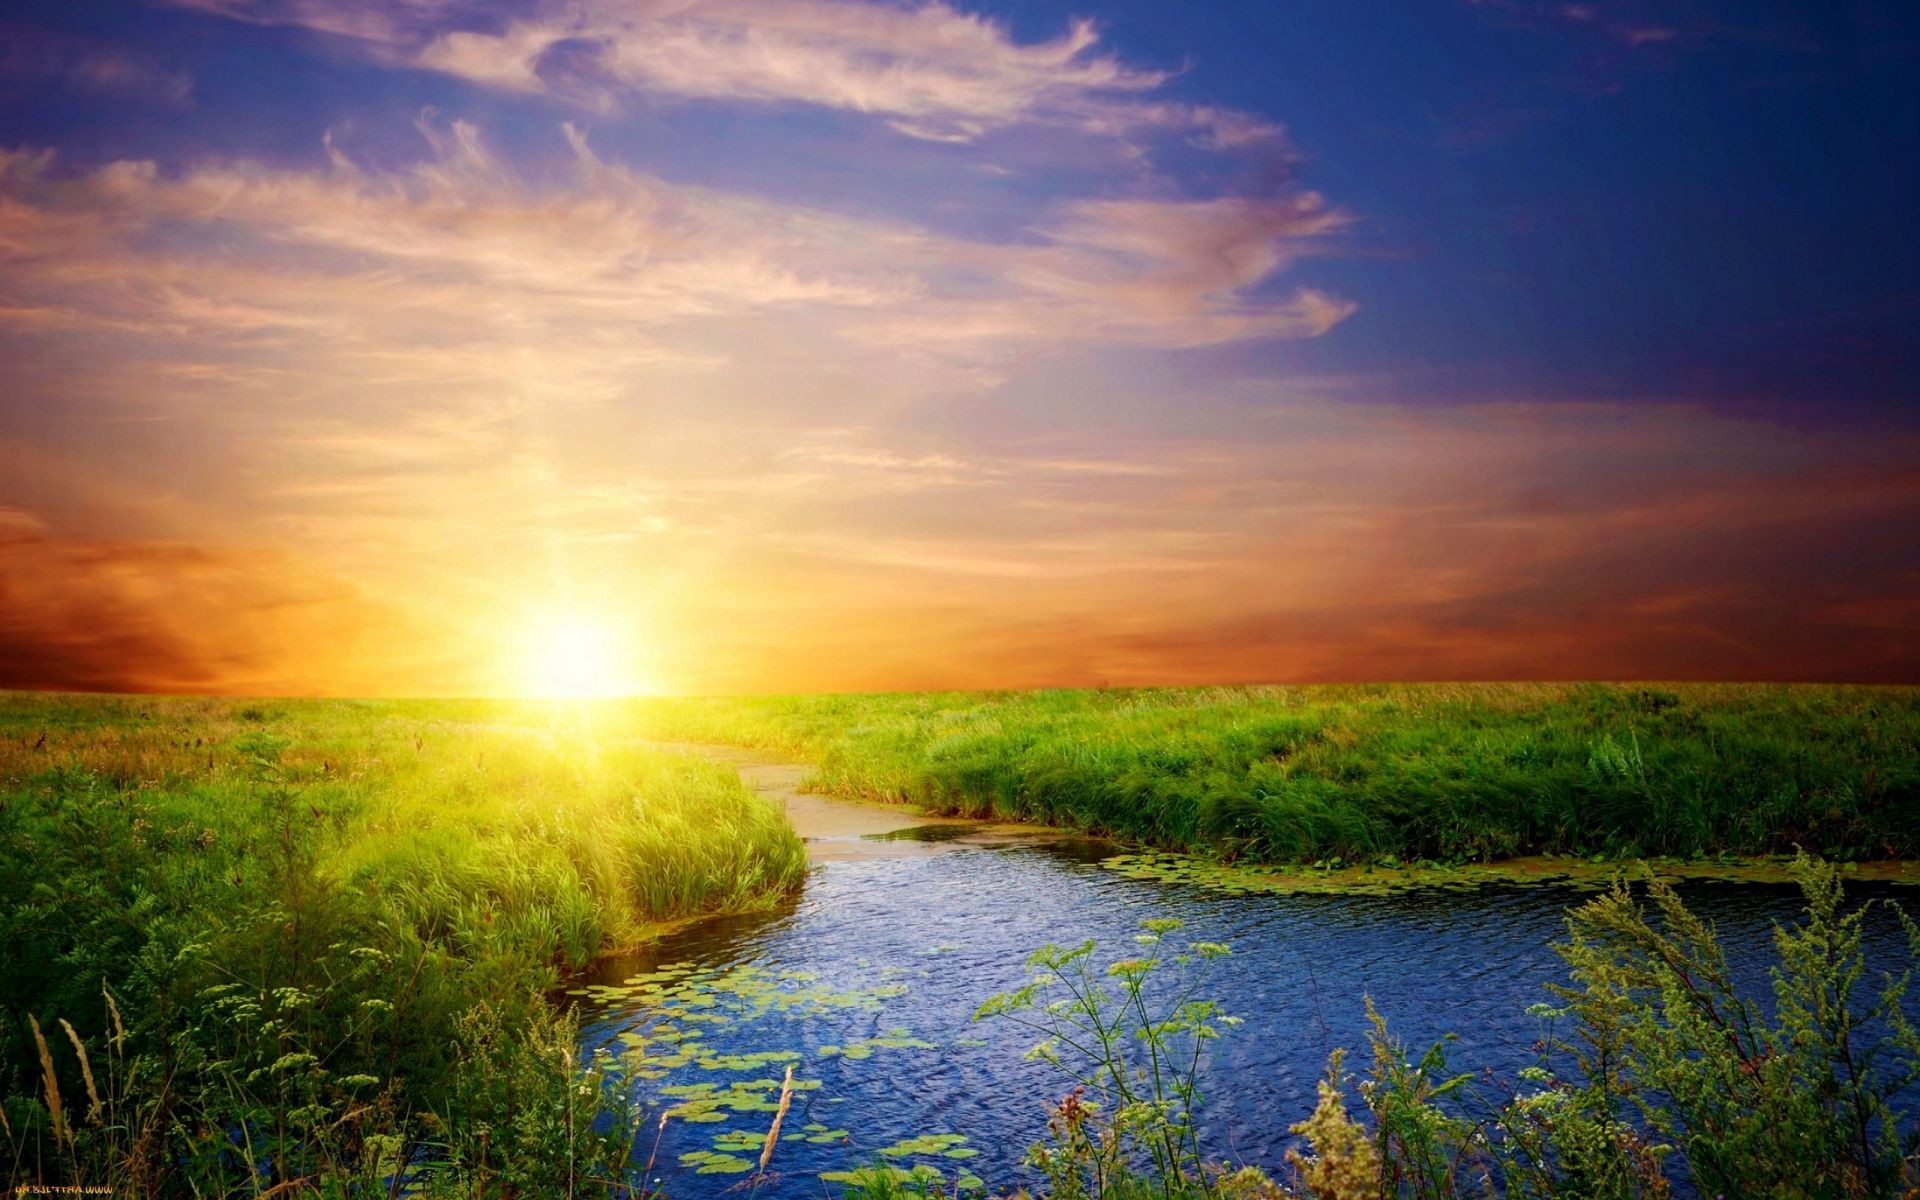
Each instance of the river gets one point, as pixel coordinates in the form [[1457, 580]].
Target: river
[[867, 982]]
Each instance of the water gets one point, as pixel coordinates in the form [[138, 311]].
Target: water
[[945, 922]]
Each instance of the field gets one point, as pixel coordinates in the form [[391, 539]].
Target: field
[[328, 925], [280, 946], [1449, 773]]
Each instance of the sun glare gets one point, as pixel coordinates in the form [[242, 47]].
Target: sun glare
[[571, 658]]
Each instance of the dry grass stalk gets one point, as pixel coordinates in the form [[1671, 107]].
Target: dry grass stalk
[[86, 1072], [113, 1010], [54, 1107], [779, 1115], [659, 1132]]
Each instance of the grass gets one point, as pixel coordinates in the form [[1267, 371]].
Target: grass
[[1443, 772], [316, 934], [279, 946]]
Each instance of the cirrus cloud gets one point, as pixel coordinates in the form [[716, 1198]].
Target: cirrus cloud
[[462, 247], [930, 70]]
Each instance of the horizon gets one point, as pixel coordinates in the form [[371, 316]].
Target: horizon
[[533, 699], [486, 350]]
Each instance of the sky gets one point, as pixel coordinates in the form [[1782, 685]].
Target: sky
[[384, 346]]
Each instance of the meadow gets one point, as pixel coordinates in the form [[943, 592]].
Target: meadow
[[277, 947], [287, 944], [1388, 773]]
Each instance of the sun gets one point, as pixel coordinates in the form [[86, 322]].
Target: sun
[[570, 657]]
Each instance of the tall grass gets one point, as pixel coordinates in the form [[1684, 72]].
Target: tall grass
[[310, 939], [1451, 772]]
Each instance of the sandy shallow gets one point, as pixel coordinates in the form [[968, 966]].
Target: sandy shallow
[[837, 830]]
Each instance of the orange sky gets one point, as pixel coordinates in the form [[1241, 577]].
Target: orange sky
[[367, 415]]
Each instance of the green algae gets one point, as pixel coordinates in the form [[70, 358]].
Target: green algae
[[708, 1102], [1377, 879], [821, 1135], [948, 1145], [677, 1008], [916, 1174], [709, 1162], [892, 1039], [681, 1005]]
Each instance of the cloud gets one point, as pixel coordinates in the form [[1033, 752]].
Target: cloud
[[1328, 539], [1191, 262], [431, 268], [1302, 539], [281, 427], [365, 382], [89, 68], [1633, 25], [930, 70], [102, 614]]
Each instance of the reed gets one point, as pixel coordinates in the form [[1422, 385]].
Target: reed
[[50, 1083], [779, 1117], [86, 1072]]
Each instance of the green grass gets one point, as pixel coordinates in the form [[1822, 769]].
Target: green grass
[[304, 943], [327, 926], [1448, 772]]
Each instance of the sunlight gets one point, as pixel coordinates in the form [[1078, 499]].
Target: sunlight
[[569, 657]]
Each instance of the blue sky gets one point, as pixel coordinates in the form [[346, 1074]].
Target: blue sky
[[1559, 338], [1541, 201]]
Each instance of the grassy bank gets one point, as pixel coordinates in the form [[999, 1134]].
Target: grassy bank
[[1445, 772], [308, 940]]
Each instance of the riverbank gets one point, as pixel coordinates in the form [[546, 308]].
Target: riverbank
[[329, 926], [876, 973], [1446, 774], [839, 828]]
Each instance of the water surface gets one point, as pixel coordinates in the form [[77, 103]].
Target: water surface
[[867, 983]]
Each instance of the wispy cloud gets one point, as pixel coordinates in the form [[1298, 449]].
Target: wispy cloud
[[87, 67], [1631, 25], [434, 263], [929, 70]]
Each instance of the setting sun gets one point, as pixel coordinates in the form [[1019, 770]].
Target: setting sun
[[568, 657]]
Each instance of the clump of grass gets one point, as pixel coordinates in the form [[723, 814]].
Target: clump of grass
[[308, 941], [1381, 773]]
